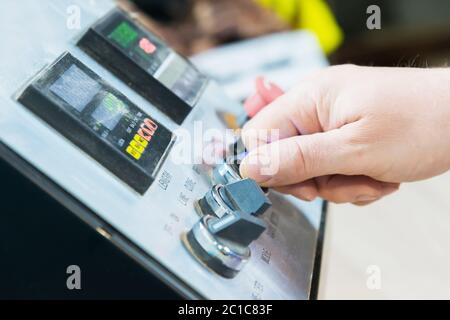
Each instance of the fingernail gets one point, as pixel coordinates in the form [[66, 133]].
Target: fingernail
[[251, 168], [366, 198]]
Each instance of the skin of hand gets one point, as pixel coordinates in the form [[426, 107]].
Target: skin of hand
[[353, 134]]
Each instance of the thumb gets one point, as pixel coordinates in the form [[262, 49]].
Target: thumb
[[299, 158]]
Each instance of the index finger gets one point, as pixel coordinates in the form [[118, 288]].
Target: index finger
[[290, 115]]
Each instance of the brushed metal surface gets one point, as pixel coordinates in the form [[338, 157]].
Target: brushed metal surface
[[34, 34]]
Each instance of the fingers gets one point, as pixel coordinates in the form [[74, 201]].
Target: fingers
[[362, 204], [292, 114], [306, 191], [300, 158], [353, 189], [359, 190]]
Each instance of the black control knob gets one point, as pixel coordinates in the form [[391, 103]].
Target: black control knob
[[229, 224], [246, 196], [222, 244], [243, 195], [240, 228]]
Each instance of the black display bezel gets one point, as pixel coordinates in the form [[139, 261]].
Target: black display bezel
[[139, 174], [96, 43], [107, 26]]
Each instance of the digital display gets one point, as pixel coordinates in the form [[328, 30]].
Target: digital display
[[124, 35], [184, 80], [76, 88], [110, 111], [100, 120], [145, 63]]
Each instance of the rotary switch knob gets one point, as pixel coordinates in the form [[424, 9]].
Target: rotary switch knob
[[239, 228], [243, 195], [228, 171], [229, 224], [222, 245]]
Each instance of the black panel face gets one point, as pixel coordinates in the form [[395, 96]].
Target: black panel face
[[145, 49], [100, 120], [144, 62]]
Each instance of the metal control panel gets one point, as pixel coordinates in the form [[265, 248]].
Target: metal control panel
[[113, 156]]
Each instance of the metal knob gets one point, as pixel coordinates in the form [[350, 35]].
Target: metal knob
[[222, 244], [226, 173], [240, 228], [229, 224], [247, 196], [243, 195]]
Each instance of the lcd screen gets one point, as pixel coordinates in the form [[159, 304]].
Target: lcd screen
[[124, 35], [100, 120], [110, 111], [76, 88]]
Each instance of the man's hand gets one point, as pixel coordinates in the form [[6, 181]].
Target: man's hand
[[353, 134]]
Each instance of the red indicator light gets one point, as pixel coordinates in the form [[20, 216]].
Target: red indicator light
[[147, 46]]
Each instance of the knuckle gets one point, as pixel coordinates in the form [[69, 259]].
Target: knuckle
[[303, 153], [358, 147]]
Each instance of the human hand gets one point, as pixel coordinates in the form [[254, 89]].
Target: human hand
[[353, 134]]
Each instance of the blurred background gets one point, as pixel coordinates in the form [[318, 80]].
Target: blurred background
[[413, 31], [401, 242]]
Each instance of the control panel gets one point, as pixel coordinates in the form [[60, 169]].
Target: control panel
[[100, 120], [139, 58], [108, 112]]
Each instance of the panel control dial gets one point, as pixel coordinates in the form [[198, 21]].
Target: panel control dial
[[229, 224], [243, 195]]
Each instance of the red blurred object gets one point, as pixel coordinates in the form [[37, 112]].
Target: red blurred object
[[266, 93], [147, 46]]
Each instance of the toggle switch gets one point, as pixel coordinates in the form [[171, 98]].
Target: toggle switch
[[243, 195], [239, 227], [229, 224], [222, 245], [226, 258], [246, 196], [229, 221]]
